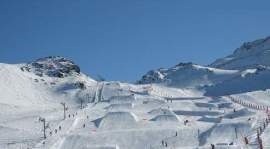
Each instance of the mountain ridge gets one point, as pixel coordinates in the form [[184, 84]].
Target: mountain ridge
[[251, 55]]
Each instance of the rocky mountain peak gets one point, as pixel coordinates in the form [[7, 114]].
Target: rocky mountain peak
[[52, 66]]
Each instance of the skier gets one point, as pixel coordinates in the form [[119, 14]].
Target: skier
[[176, 134], [212, 146], [55, 131], [83, 125], [69, 116], [59, 127], [185, 122], [246, 140]]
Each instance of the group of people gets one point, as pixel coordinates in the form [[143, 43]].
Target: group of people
[[72, 115], [169, 100], [56, 130], [164, 143], [69, 116]]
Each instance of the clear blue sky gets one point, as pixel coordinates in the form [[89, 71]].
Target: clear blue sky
[[123, 39]]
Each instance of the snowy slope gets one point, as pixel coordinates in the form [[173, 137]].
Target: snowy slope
[[187, 75], [25, 96], [250, 80], [167, 110], [248, 55], [119, 115], [247, 69], [33, 90], [23, 85]]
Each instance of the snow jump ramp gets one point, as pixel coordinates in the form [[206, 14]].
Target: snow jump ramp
[[115, 120]]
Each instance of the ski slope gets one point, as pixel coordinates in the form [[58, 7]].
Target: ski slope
[[187, 106]]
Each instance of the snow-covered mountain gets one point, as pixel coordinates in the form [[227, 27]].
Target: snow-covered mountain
[[36, 89], [50, 79], [53, 66], [188, 75], [248, 64], [249, 55]]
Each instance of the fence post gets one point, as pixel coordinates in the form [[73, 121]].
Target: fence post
[[260, 143], [236, 136]]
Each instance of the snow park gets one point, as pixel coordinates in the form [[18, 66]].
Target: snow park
[[107, 90]]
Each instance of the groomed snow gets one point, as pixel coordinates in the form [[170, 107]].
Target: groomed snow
[[166, 118], [117, 120]]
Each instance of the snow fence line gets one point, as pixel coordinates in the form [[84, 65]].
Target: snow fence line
[[255, 136], [249, 105]]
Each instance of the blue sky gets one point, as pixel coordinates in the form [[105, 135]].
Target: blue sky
[[123, 39]]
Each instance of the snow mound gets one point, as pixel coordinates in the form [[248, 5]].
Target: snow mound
[[114, 120], [161, 111], [225, 133], [122, 99], [166, 118], [120, 107]]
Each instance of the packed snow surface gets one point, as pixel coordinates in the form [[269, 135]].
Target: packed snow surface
[[114, 120]]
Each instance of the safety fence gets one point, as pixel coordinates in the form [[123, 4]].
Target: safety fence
[[254, 137]]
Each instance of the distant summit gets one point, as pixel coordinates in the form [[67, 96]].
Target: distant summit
[[249, 55], [249, 64], [52, 66], [187, 75], [159, 75]]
